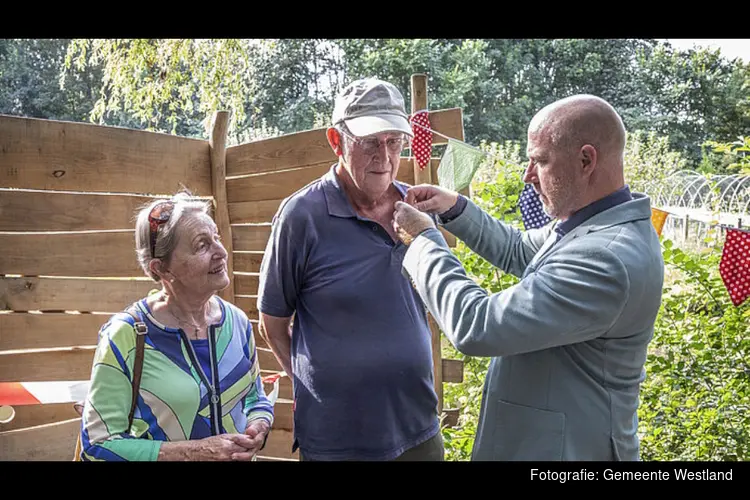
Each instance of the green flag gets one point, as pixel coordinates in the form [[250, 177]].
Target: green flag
[[458, 165]]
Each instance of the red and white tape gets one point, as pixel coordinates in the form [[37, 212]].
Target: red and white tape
[[35, 393]]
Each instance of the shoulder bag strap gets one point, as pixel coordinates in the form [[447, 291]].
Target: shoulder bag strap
[[140, 342]]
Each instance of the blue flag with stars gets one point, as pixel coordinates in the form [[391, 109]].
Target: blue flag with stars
[[532, 211]]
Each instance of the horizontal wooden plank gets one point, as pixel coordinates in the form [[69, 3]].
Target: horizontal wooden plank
[[72, 294], [273, 186], [69, 364], [248, 303], [67, 156], [252, 238], [447, 122], [69, 254], [279, 153], [279, 445], [253, 211], [42, 414], [267, 360], [453, 370], [48, 330], [53, 442], [283, 416], [247, 262], [22, 210], [246, 284]]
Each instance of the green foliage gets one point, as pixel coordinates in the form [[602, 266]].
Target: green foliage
[[649, 161], [727, 157], [159, 81], [695, 401], [29, 71]]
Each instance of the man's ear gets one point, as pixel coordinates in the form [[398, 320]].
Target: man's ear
[[588, 159], [334, 140]]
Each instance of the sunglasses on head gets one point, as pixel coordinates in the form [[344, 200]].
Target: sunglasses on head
[[159, 215]]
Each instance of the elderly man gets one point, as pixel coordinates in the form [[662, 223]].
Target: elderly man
[[359, 349], [569, 341]]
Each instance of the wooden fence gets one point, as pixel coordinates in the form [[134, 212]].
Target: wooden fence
[[68, 195]]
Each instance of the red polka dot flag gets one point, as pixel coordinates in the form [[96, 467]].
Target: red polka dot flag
[[422, 143], [735, 265]]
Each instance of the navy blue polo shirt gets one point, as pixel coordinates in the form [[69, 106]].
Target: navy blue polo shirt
[[361, 344]]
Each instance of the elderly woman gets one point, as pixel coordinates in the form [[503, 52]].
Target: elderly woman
[[200, 394]]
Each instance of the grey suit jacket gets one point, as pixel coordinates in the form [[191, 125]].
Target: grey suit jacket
[[568, 342]]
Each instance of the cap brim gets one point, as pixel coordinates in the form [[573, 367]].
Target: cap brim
[[369, 125]]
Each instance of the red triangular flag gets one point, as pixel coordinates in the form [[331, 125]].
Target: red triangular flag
[[422, 143], [735, 265]]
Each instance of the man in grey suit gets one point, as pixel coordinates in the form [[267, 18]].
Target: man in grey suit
[[569, 341]]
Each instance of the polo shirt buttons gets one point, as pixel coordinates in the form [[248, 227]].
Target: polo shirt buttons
[[374, 227]]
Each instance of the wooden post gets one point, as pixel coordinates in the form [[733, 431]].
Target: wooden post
[[686, 228], [217, 130], [424, 176]]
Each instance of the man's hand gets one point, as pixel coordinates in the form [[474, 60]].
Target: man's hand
[[431, 199], [408, 222]]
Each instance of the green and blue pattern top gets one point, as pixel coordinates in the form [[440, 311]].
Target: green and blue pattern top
[[174, 401]]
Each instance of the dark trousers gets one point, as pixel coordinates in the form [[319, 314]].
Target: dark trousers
[[431, 450]]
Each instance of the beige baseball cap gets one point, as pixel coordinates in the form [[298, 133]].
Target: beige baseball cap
[[371, 106]]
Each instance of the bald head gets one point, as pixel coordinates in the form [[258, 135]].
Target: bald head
[[578, 120]]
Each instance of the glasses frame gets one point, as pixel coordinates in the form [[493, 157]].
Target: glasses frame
[[405, 142]]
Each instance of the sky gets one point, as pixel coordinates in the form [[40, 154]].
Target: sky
[[730, 47]]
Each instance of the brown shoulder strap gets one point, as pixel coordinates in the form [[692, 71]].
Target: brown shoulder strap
[[140, 342]]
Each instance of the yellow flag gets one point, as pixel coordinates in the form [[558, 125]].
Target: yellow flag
[[657, 219]]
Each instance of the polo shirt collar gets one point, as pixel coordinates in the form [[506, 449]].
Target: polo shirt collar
[[336, 199]]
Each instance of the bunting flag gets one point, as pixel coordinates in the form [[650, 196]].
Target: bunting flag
[[458, 165], [735, 265], [532, 210], [657, 219], [422, 142]]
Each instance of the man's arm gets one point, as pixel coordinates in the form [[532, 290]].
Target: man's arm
[[278, 335], [576, 296], [502, 245]]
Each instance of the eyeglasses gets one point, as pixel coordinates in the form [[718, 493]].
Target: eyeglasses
[[159, 215], [371, 145]]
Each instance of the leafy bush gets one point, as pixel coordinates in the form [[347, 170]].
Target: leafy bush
[[695, 401]]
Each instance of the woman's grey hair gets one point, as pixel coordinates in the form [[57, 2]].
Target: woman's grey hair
[[166, 235]]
